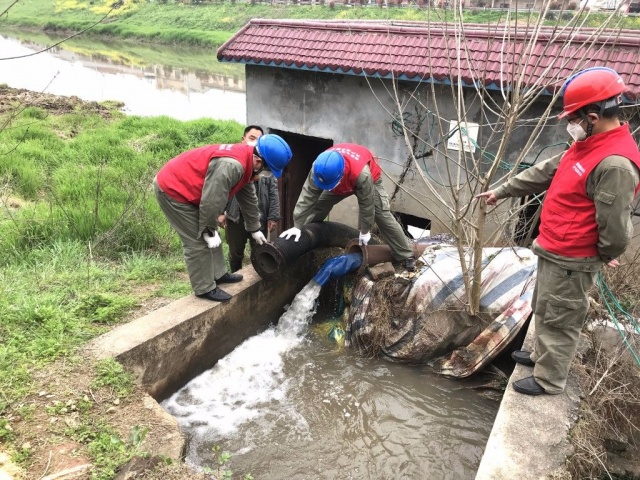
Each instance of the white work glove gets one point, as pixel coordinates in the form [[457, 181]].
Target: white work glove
[[259, 237], [364, 238], [213, 241], [287, 234]]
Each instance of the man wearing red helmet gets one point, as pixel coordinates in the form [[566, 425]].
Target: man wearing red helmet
[[585, 220], [193, 189], [341, 171]]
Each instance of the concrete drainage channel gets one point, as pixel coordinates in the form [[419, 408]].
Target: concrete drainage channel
[[170, 346]]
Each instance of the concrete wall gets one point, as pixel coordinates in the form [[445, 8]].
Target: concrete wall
[[170, 346], [346, 108]]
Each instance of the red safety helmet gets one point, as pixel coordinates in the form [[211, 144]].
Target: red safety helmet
[[590, 86]]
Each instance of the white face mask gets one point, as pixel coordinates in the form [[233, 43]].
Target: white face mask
[[253, 144], [576, 131]]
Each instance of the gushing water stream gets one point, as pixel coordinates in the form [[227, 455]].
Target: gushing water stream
[[216, 403], [289, 404]]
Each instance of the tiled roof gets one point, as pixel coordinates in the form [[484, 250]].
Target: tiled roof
[[420, 51]]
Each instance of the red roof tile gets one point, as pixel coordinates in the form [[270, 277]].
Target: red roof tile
[[493, 55]]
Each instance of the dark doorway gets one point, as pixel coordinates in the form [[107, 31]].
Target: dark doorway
[[305, 149], [407, 220], [528, 224]]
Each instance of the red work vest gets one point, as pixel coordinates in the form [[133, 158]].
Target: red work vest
[[356, 157], [568, 222], [182, 178]]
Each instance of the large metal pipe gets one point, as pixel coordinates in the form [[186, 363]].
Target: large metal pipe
[[375, 254], [268, 259]]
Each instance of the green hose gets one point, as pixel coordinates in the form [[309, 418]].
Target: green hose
[[614, 308]]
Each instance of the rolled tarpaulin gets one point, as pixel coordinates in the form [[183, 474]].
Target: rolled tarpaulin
[[339, 266]]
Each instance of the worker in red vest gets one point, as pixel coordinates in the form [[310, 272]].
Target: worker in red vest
[[585, 220], [268, 203], [341, 171], [193, 190]]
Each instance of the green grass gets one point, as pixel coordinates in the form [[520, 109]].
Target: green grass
[[93, 186], [88, 234], [82, 243], [209, 24]]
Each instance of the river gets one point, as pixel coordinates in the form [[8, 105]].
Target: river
[[182, 83]]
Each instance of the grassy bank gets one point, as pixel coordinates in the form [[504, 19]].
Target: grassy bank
[[212, 24], [83, 247]]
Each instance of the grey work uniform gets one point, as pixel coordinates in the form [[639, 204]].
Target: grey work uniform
[[560, 301], [236, 231], [314, 204], [205, 265]]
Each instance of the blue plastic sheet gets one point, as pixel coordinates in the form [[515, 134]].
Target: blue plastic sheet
[[338, 267]]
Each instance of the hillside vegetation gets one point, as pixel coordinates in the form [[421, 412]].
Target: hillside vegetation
[[212, 24]]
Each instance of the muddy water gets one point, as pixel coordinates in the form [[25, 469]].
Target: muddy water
[[183, 84], [296, 406]]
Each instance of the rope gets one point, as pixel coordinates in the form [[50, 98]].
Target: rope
[[614, 308]]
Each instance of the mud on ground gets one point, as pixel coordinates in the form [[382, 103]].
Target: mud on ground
[[15, 100], [53, 427]]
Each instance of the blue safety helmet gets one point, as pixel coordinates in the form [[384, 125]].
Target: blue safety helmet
[[328, 169], [275, 152]]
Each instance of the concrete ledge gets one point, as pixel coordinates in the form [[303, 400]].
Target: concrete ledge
[[529, 438], [170, 346]]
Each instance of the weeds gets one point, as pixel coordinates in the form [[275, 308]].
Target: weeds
[[82, 241], [610, 410], [221, 470], [106, 448], [212, 24], [111, 374]]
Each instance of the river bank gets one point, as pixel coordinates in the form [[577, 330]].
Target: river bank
[[84, 248], [185, 85], [211, 24]]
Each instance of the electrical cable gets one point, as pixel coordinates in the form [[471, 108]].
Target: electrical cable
[[608, 297]]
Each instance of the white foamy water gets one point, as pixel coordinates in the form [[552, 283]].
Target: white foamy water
[[248, 385]]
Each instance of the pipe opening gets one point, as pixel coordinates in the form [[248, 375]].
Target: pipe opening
[[267, 262]]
